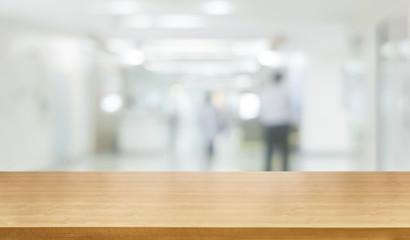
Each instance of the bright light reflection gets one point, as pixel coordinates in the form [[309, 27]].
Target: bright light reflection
[[111, 103], [249, 106]]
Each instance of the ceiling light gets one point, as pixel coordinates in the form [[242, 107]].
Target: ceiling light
[[120, 45], [218, 7], [139, 21], [270, 59], [179, 21], [124, 7], [133, 57]]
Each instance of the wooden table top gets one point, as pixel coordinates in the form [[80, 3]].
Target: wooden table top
[[197, 200]]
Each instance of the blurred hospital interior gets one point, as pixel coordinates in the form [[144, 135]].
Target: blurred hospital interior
[[176, 85]]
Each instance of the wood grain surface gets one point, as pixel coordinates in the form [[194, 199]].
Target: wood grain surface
[[183, 205]]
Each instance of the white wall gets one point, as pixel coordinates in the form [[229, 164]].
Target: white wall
[[24, 128], [69, 73], [324, 126], [324, 122], [44, 79], [366, 29]]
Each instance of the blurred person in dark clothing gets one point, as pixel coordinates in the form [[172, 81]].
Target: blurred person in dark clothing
[[275, 117]]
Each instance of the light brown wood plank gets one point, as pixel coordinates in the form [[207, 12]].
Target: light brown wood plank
[[183, 204]]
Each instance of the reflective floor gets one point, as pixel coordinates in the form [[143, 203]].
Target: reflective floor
[[189, 155], [252, 162]]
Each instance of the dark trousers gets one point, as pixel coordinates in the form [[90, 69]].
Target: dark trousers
[[277, 136], [210, 150]]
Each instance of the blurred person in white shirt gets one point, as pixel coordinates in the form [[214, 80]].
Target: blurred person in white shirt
[[275, 117], [212, 122]]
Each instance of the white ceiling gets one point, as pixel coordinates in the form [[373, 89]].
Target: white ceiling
[[251, 27], [248, 19]]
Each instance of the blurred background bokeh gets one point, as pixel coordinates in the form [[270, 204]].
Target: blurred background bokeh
[[121, 85]]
